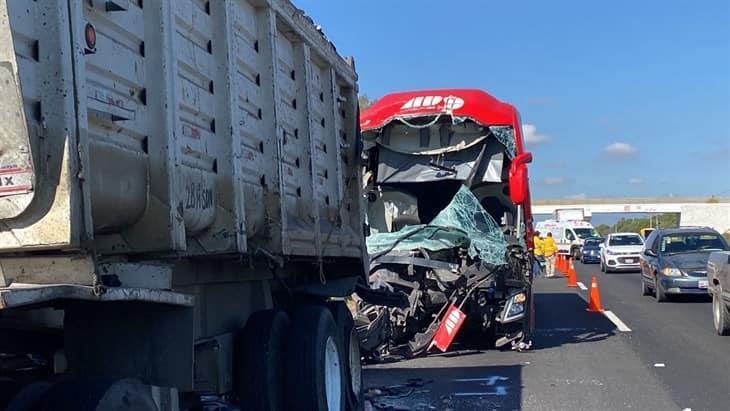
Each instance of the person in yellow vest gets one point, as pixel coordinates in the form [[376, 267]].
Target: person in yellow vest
[[538, 253], [549, 250]]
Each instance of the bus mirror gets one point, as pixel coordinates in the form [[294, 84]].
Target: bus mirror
[[518, 181]]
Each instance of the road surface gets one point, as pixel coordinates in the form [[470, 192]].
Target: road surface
[[650, 357]]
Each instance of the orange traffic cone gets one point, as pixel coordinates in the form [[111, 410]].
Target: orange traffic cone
[[572, 276], [594, 303], [559, 263]]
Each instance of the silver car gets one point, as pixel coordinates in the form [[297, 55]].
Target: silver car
[[674, 261]]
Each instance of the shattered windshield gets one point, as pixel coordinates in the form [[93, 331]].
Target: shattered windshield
[[463, 223]]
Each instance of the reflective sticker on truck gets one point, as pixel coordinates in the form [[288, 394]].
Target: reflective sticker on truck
[[14, 180]]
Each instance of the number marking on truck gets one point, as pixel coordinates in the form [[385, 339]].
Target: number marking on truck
[[198, 196]]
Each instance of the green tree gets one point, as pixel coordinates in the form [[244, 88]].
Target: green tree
[[365, 101], [712, 200], [634, 225], [603, 229]]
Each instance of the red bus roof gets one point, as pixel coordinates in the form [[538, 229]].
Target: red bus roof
[[471, 103], [475, 104]]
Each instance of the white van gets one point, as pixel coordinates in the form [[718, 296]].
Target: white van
[[569, 235]]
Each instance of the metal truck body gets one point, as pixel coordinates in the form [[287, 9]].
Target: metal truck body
[[449, 220], [169, 168]]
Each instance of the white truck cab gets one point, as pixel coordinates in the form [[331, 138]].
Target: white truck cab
[[569, 235]]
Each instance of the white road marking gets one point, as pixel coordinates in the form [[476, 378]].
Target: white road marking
[[582, 286], [659, 365], [490, 380], [617, 321]]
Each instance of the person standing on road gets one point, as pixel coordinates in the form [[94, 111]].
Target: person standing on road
[[538, 252], [549, 249]]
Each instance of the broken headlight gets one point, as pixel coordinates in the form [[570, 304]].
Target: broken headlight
[[514, 309]]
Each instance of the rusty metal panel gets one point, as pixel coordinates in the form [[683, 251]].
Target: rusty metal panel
[[188, 127], [35, 49]]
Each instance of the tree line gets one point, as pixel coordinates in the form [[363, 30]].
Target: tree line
[[633, 225]]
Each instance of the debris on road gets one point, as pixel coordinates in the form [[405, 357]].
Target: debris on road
[[382, 397]]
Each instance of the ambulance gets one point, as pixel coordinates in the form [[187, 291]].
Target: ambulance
[[569, 235]]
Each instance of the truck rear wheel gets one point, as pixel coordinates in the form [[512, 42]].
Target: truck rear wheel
[[315, 370], [27, 398], [259, 370], [351, 353], [85, 393]]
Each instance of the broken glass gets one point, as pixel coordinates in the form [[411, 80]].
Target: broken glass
[[506, 136], [463, 223]]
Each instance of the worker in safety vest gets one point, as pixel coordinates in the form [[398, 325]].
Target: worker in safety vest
[[549, 250], [538, 253]]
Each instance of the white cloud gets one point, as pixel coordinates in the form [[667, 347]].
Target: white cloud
[[579, 196], [620, 150], [553, 181], [532, 137], [635, 180]]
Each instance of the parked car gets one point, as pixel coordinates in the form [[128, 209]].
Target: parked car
[[718, 276], [645, 232], [591, 253], [621, 252], [675, 260]]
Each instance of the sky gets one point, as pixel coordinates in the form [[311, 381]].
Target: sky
[[618, 99]]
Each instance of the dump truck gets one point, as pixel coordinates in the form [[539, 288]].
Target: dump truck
[[449, 223], [180, 209]]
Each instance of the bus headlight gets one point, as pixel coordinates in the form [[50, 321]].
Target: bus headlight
[[514, 309]]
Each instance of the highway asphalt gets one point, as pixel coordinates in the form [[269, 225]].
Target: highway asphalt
[[671, 359]]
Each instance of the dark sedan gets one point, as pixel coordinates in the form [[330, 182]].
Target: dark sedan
[[674, 261], [591, 252]]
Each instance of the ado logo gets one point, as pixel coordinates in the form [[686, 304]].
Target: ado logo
[[446, 103]]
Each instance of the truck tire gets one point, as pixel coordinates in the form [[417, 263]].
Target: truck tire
[[29, 396], [355, 396], [315, 370], [259, 367], [9, 388], [720, 312], [87, 393], [351, 345]]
